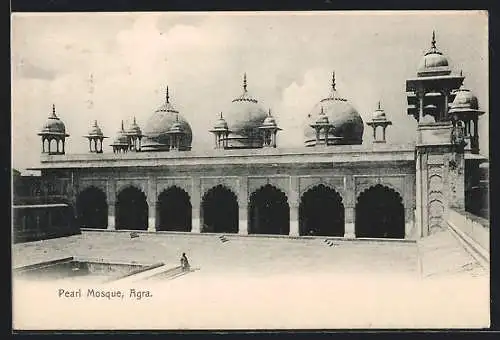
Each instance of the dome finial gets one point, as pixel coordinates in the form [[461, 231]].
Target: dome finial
[[95, 122], [433, 42], [245, 82], [269, 112], [167, 96], [122, 126], [221, 115], [322, 111], [333, 81], [379, 105], [135, 121], [54, 111], [177, 117]]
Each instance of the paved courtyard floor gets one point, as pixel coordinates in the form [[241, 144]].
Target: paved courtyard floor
[[263, 283]]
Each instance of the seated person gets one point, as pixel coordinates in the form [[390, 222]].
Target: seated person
[[184, 262]]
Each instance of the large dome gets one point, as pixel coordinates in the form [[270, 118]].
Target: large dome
[[433, 63], [158, 125], [244, 117], [347, 124]]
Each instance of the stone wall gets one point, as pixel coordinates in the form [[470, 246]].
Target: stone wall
[[475, 227], [348, 181]]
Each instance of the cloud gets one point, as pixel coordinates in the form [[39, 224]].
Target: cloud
[[289, 58], [25, 69]]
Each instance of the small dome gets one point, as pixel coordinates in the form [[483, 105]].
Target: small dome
[[322, 118], [269, 121], [220, 124], [134, 129], [121, 138], [53, 125], [158, 126], [95, 130], [347, 124], [464, 100], [433, 62], [176, 127], [379, 113], [433, 59]]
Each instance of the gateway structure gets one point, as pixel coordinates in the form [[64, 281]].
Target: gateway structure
[[335, 185]]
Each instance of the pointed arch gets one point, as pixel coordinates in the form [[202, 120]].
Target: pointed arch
[[131, 209], [321, 212], [269, 212], [174, 210], [53, 145], [219, 209], [92, 208], [46, 144], [380, 213]]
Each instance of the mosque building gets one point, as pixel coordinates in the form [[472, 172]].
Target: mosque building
[[334, 185]]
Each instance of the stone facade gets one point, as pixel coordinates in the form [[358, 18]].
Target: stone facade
[[333, 186], [440, 169], [349, 171]]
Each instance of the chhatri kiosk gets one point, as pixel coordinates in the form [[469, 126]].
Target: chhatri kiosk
[[335, 185]]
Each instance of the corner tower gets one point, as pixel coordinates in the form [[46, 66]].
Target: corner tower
[[440, 163], [431, 92]]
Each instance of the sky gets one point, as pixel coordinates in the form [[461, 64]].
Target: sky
[[288, 58]]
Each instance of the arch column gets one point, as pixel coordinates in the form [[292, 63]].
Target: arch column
[[243, 206], [350, 231], [152, 212], [409, 222], [294, 206], [152, 216], [111, 197], [195, 204], [420, 97], [350, 197]]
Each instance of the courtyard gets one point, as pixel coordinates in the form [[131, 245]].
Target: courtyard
[[257, 282]]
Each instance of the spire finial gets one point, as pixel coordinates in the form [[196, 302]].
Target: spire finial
[[433, 42], [245, 82], [333, 81], [167, 96]]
